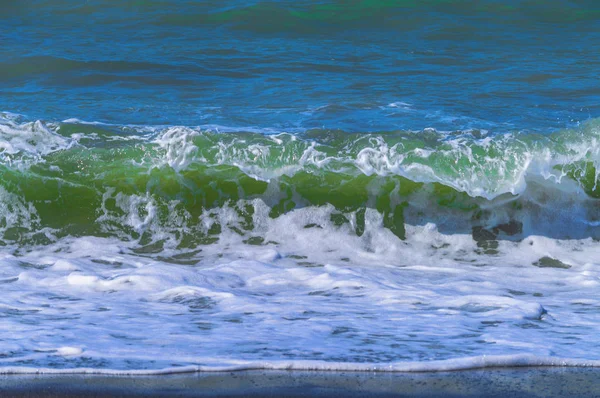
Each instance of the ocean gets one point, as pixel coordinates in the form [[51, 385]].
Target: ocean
[[333, 185]]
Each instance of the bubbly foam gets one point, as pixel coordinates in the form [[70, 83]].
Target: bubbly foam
[[498, 361], [350, 302], [27, 143]]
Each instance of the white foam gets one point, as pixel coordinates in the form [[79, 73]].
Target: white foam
[[69, 351], [432, 302], [467, 363], [62, 265], [27, 143]]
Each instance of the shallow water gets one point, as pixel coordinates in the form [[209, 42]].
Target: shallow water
[[382, 184]]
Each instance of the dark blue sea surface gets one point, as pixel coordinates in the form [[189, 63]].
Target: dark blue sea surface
[[359, 66]]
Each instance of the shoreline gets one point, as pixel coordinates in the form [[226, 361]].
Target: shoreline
[[490, 382], [471, 363]]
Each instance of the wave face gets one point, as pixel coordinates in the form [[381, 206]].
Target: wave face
[[182, 186]]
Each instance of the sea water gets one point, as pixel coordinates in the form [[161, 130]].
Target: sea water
[[369, 185]]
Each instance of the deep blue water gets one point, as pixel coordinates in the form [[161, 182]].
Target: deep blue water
[[292, 65]]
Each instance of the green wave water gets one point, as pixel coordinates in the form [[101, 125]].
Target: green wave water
[[186, 186]]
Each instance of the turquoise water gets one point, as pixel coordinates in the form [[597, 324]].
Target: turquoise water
[[392, 185]]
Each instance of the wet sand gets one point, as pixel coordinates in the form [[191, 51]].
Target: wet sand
[[505, 382]]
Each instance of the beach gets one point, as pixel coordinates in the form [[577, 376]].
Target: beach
[[498, 382]]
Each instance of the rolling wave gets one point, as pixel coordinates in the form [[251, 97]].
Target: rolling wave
[[75, 178]]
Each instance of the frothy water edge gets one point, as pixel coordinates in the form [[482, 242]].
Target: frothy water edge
[[469, 363]]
